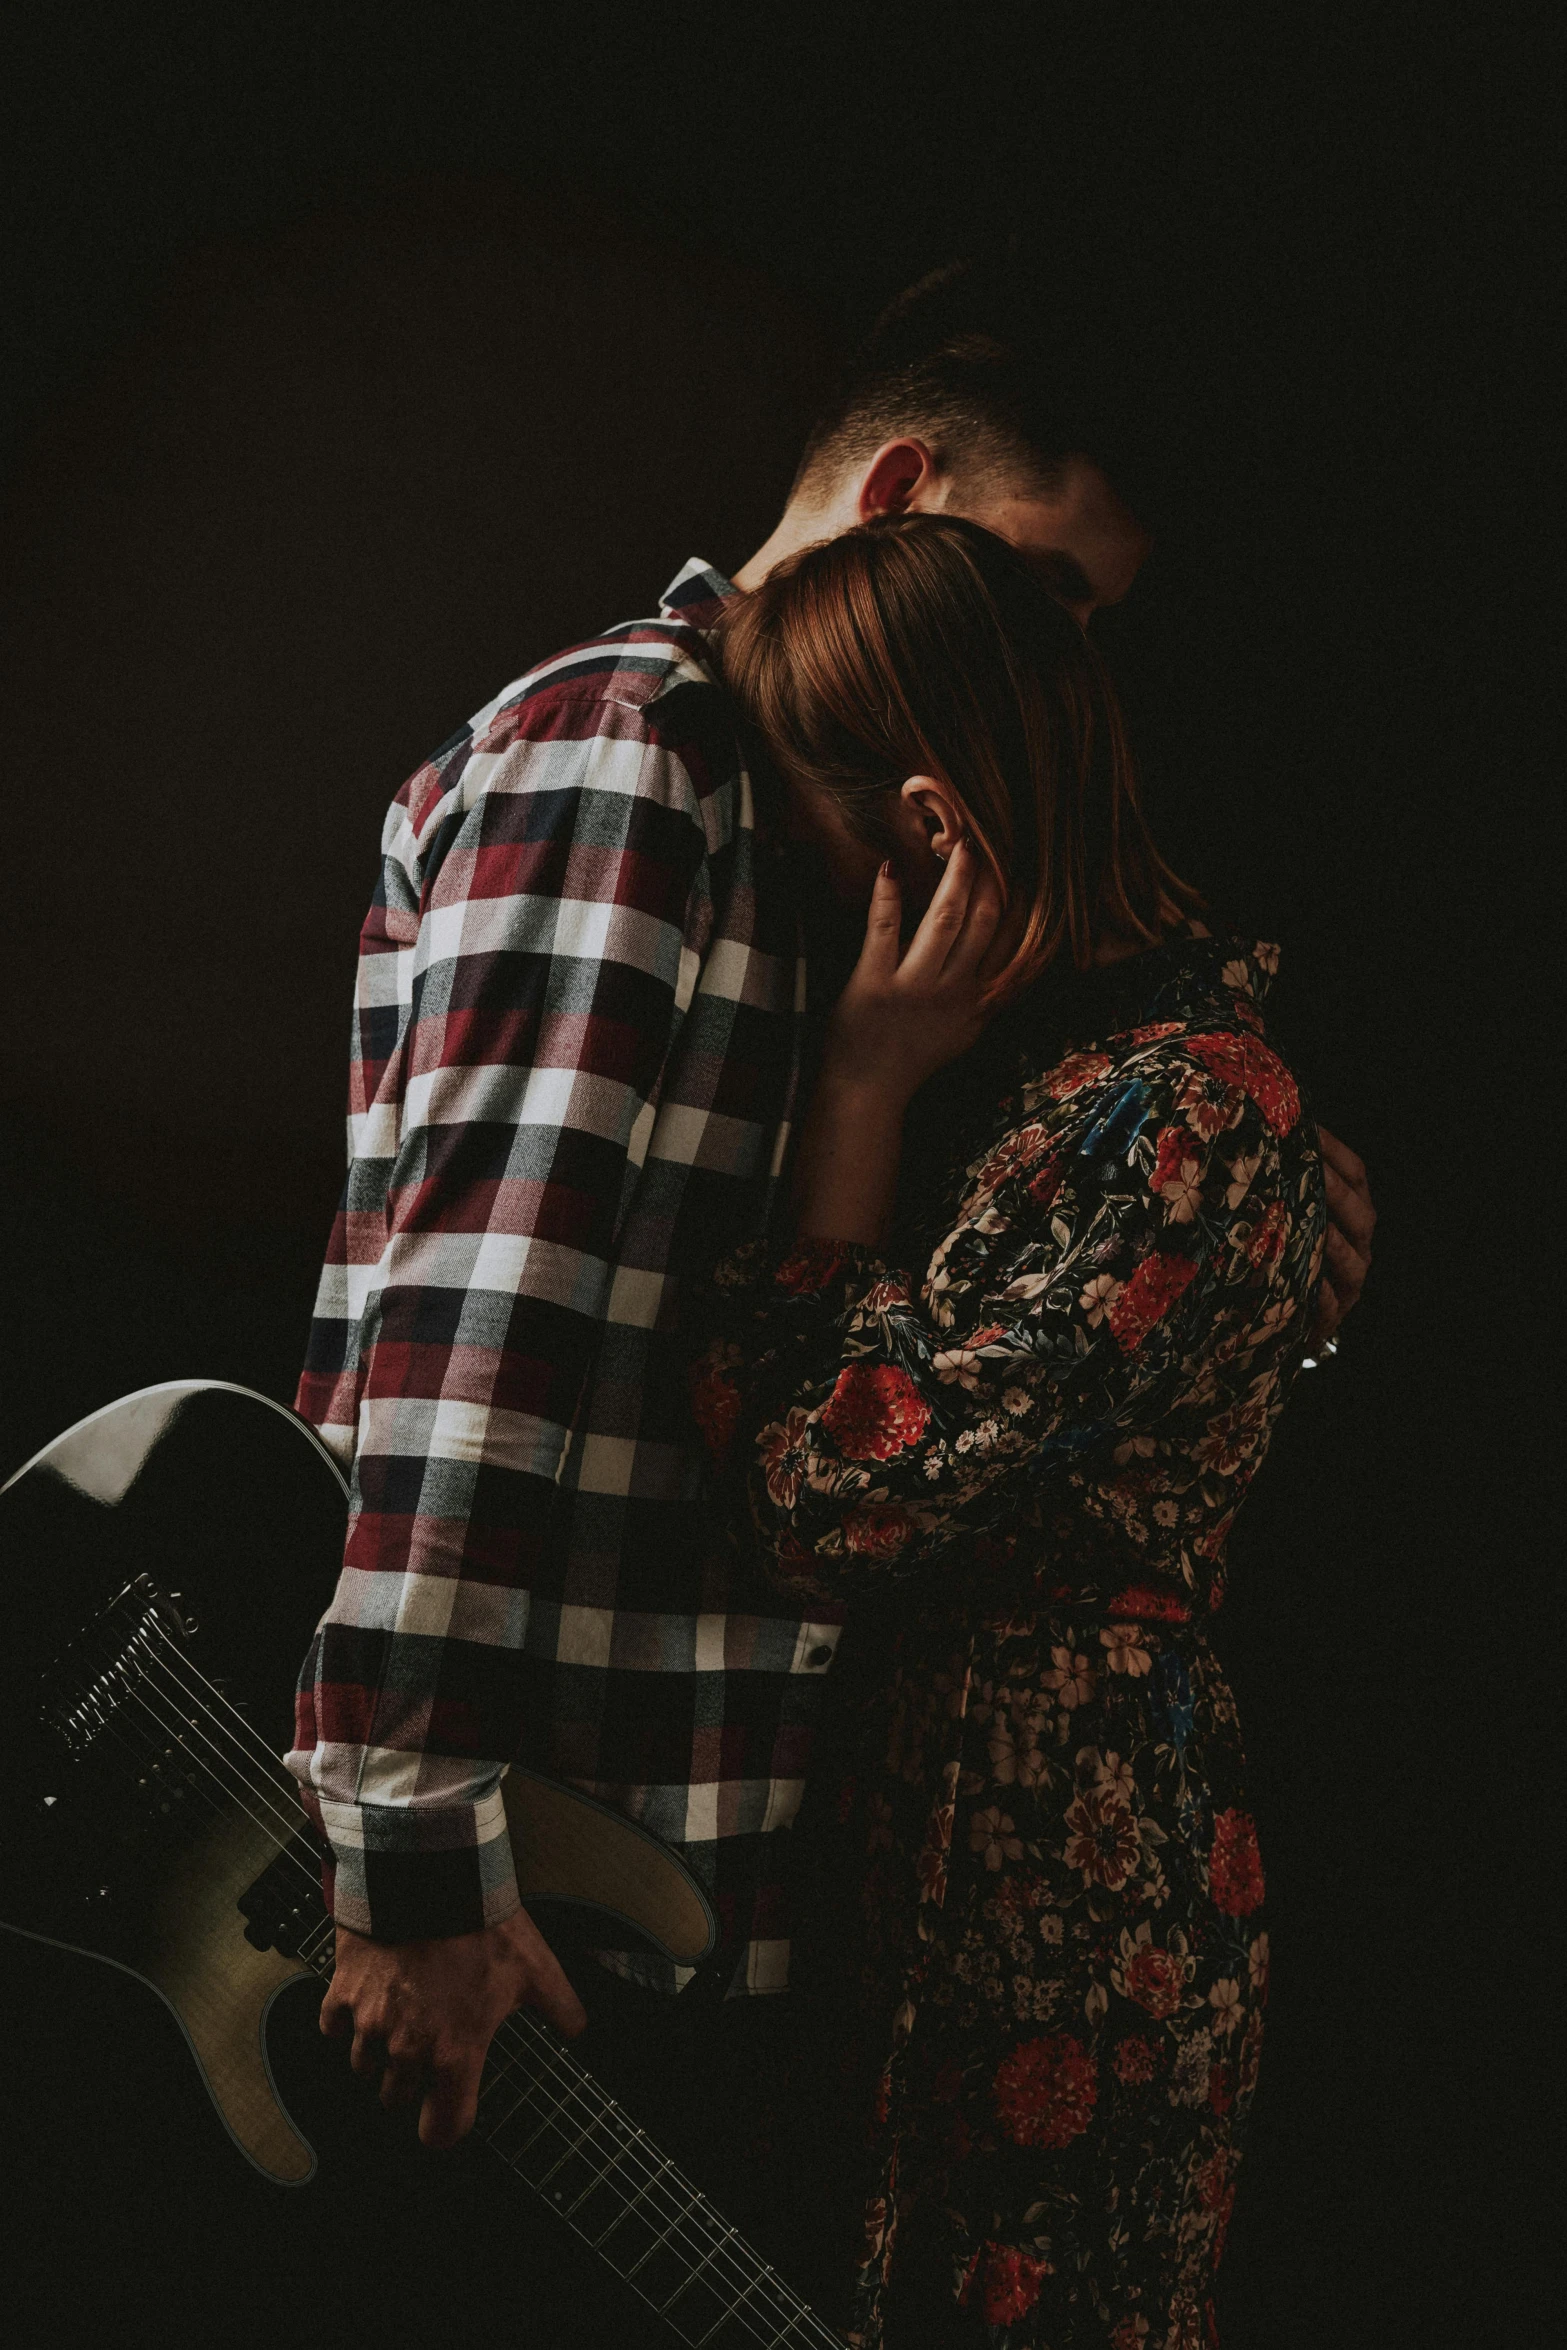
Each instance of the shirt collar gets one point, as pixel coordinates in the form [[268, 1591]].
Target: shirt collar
[[697, 596]]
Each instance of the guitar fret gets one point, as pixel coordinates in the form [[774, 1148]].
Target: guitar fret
[[728, 2316], [602, 2180], [678, 2220], [663, 2169], [711, 2254], [526, 2108], [506, 2075], [571, 2149]]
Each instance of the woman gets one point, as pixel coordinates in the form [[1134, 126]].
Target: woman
[[1058, 1219]]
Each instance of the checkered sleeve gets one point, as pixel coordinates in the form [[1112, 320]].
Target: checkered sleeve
[[526, 969]]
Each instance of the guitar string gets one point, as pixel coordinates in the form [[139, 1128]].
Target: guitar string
[[551, 2069], [577, 2083], [605, 2117], [787, 2306], [695, 2207]]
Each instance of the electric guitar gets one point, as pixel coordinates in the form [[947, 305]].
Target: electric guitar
[[150, 1824]]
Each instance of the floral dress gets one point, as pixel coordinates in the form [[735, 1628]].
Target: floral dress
[[1014, 1446]]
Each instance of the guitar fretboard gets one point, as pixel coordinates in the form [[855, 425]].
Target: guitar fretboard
[[552, 2123]]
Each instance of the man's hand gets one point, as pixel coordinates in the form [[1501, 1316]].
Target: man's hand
[[1352, 1221], [423, 2014]]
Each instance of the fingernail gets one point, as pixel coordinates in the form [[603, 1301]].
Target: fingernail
[[886, 867]]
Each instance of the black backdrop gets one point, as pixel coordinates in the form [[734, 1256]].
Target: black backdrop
[[358, 360]]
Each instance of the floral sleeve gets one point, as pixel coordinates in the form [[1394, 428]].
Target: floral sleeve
[[1134, 1225]]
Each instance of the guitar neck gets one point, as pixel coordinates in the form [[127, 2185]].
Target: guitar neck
[[551, 2122]]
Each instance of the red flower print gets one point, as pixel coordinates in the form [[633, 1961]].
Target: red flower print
[[1148, 1606], [1044, 1186], [1046, 2091], [1152, 1030], [1072, 1074], [1248, 1062], [715, 1399], [1133, 2061], [874, 1411], [781, 1449], [878, 1533], [1143, 1300], [1153, 1977], [1175, 1146], [809, 1265], [1177, 1174], [1221, 2093], [1266, 1244], [1009, 2282], [1011, 1153], [1235, 1864]]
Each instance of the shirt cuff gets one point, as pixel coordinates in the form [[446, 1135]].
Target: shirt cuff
[[415, 1873]]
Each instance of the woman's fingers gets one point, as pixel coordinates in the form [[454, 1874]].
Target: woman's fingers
[[986, 905], [960, 921], [883, 926], [941, 925]]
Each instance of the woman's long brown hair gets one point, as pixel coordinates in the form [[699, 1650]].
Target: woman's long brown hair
[[921, 644]]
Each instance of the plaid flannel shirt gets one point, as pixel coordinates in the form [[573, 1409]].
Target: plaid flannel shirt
[[576, 1038]]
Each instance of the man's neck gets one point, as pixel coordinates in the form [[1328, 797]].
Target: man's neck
[[800, 526]]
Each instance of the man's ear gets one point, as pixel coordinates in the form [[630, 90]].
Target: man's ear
[[899, 478], [930, 817]]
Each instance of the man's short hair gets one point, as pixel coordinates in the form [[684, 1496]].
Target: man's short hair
[[972, 360]]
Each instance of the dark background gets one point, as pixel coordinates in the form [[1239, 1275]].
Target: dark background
[[355, 361]]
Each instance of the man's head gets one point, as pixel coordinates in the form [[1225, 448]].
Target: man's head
[[959, 403]]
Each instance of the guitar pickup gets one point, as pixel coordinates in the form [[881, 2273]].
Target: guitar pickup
[[283, 1908]]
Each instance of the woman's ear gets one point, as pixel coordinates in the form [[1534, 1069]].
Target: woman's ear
[[930, 817]]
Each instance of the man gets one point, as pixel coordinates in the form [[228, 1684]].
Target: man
[[575, 1048]]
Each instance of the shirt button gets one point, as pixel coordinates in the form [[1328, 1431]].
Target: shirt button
[[819, 1656]]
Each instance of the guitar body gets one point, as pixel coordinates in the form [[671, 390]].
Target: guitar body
[[113, 1852]]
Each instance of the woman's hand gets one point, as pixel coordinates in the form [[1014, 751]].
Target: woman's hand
[[905, 1014], [902, 1016]]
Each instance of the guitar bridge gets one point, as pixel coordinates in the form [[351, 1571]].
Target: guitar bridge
[[283, 1909]]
